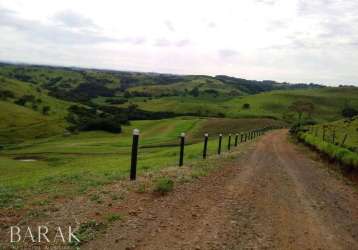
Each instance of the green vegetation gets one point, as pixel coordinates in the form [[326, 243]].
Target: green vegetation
[[337, 153], [163, 185], [113, 217], [338, 140], [67, 165], [64, 131], [342, 132], [86, 232], [328, 104]]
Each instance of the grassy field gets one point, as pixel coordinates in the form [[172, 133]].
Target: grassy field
[[328, 103], [60, 164], [19, 123]]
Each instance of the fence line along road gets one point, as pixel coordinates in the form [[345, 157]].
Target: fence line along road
[[244, 136]]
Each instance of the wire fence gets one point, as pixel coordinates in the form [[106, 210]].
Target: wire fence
[[233, 141]]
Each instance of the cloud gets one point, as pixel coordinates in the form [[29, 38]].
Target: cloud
[[277, 25], [169, 25], [227, 53], [266, 2], [48, 32], [182, 43], [326, 8], [211, 24], [162, 42], [70, 18]]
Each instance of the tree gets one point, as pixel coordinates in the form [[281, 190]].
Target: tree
[[246, 106], [348, 111], [195, 92], [46, 110], [301, 107], [5, 94]]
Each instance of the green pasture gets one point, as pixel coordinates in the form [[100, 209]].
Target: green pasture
[[73, 163], [328, 103]]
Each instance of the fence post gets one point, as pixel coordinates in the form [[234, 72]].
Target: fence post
[[133, 174], [220, 139], [182, 142], [245, 136], [206, 136], [229, 143], [236, 139], [241, 137]]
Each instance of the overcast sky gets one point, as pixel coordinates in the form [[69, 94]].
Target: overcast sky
[[284, 40]]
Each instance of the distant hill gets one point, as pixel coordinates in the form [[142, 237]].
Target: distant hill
[[34, 100], [83, 85]]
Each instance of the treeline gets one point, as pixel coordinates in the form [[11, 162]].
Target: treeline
[[77, 84], [255, 87], [108, 118]]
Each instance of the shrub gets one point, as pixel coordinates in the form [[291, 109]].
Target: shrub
[[5, 94], [164, 185], [246, 106], [46, 110]]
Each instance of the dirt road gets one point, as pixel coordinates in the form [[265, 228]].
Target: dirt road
[[273, 197]]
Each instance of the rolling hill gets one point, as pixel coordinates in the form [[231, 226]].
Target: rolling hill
[[221, 96]]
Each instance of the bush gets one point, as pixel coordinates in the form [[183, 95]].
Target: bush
[[5, 94], [46, 110], [164, 185], [349, 112], [246, 106]]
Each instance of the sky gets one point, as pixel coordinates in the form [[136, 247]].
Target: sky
[[284, 40]]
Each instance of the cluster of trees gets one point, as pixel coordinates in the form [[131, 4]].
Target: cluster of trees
[[34, 102], [6, 94], [255, 87], [108, 118], [302, 107], [82, 93], [86, 119], [348, 111]]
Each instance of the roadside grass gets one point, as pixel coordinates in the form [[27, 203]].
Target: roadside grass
[[67, 166], [163, 185], [337, 131], [96, 213], [344, 156], [87, 232]]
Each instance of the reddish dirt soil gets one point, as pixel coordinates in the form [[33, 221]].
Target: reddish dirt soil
[[276, 196]]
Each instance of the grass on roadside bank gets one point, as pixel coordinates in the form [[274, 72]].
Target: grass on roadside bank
[[344, 156], [93, 217]]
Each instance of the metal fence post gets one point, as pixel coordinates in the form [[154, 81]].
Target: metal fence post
[[220, 140], [133, 174], [206, 136], [182, 142], [229, 143]]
